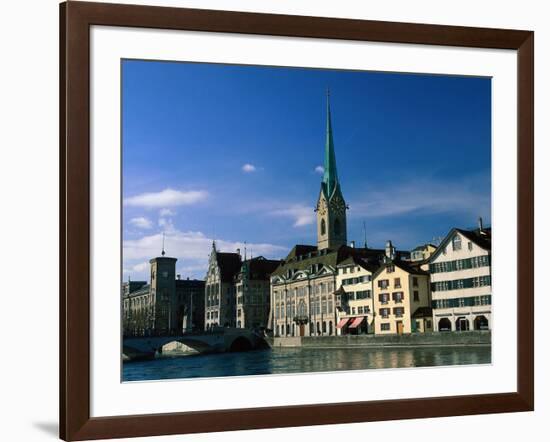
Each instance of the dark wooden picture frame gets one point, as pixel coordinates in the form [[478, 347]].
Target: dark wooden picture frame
[[75, 21]]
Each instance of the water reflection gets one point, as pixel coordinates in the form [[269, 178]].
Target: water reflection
[[302, 360]]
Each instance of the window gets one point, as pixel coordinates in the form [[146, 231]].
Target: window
[[383, 283], [323, 227], [415, 281], [428, 323], [383, 298], [416, 296], [457, 243], [337, 227], [470, 246], [390, 269], [397, 283], [398, 312], [385, 327], [397, 297], [384, 312], [360, 310]]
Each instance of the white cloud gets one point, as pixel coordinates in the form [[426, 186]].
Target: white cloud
[[320, 170], [428, 196], [301, 214], [190, 248], [166, 212], [248, 168], [141, 222], [166, 198]]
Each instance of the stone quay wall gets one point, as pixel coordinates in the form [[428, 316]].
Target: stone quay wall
[[406, 340]]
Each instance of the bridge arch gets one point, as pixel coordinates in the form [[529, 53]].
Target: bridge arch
[[240, 344]]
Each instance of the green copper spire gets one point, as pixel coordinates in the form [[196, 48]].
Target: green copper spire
[[330, 176]]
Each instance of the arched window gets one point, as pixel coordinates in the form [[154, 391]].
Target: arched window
[[323, 227], [337, 226]]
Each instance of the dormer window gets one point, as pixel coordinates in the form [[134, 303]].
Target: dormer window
[[457, 243]]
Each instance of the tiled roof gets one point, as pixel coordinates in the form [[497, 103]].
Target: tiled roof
[[229, 264], [327, 257], [189, 283], [422, 312], [143, 290], [481, 238], [261, 268]]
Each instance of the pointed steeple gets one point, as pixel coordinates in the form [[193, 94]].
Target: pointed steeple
[[330, 176]]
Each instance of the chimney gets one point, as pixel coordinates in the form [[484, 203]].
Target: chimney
[[239, 252], [480, 224], [352, 244], [178, 276]]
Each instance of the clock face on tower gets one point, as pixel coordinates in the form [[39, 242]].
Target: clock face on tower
[[338, 204]]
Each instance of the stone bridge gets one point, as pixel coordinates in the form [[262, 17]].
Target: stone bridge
[[216, 341]]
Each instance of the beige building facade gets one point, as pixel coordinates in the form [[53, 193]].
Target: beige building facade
[[401, 297]]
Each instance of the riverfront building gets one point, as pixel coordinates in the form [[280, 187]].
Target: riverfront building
[[305, 297], [237, 291], [401, 296], [167, 305], [460, 274], [253, 294], [354, 298], [220, 289]]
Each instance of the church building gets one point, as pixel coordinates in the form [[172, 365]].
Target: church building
[[304, 286]]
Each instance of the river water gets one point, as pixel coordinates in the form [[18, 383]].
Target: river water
[[300, 360]]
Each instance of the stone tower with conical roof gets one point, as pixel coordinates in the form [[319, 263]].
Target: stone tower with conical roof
[[331, 206]]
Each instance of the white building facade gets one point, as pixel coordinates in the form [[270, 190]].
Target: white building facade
[[460, 276]]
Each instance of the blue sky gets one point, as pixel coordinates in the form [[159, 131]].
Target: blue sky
[[233, 153]]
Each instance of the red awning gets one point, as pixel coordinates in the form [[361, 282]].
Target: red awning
[[343, 322], [356, 322]]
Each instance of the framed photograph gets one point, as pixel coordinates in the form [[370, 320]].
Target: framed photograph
[[273, 221]]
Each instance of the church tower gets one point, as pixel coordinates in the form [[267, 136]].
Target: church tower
[[163, 291], [331, 206]]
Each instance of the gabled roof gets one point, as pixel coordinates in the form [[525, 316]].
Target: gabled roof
[[482, 238], [357, 260], [261, 268], [403, 265], [326, 257], [229, 264], [424, 247]]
